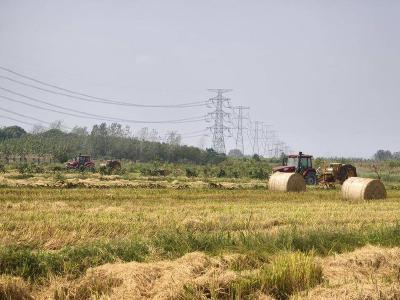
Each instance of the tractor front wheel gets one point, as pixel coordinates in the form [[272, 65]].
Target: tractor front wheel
[[91, 168], [311, 179]]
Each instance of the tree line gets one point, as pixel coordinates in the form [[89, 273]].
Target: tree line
[[103, 142], [386, 155]]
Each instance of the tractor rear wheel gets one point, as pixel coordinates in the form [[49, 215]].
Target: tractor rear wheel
[[311, 179]]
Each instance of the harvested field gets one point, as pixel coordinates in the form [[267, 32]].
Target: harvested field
[[193, 243], [51, 219], [367, 273], [96, 181]]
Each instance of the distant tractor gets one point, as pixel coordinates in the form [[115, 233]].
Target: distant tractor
[[302, 164], [299, 163], [81, 162]]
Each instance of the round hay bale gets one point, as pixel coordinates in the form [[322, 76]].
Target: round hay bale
[[356, 188], [286, 182]]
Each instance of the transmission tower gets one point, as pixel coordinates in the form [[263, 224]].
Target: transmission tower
[[239, 126], [272, 139], [219, 117], [279, 149], [265, 139], [256, 142]]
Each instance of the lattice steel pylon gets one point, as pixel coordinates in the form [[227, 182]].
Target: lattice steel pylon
[[219, 117], [239, 126], [272, 138], [265, 138], [256, 142]]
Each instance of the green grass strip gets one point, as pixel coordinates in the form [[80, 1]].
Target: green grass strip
[[33, 264]]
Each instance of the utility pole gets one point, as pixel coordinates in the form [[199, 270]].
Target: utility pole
[[239, 128], [218, 116]]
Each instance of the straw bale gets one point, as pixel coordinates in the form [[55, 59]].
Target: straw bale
[[357, 188], [286, 182]]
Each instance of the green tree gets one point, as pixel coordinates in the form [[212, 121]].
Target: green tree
[[11, 132], [383, 155]]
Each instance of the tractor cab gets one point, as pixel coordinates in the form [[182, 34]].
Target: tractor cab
[[82, 159], [299, 163]]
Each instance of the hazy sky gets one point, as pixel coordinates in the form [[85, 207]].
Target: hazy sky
[[325, 74]]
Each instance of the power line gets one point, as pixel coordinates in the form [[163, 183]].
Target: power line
[[188, 105], [24, 116], [84, 97], [194, 136], [49, 104], [193, 132], [103, 118], [71, 109], [49, 109], [31, 118], [16, 120], [219, 116]]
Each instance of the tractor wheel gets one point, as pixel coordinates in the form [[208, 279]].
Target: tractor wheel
[[311, 179], [91, 168]]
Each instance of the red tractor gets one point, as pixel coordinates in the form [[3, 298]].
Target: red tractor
[[81, 162], [299, 163]]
